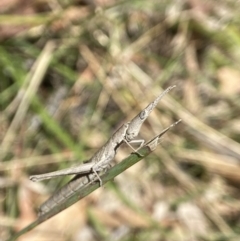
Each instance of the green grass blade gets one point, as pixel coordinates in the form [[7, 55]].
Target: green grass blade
[[113, 172]]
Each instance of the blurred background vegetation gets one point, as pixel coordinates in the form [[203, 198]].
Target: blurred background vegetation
[[72, 71]]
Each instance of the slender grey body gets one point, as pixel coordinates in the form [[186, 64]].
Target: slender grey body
[[99, 162], [126, 133]]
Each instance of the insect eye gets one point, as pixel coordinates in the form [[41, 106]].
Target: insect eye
[[143, 114]]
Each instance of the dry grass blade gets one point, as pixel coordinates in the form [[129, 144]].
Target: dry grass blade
[[33, 84], [223, 165], [204, 133]]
